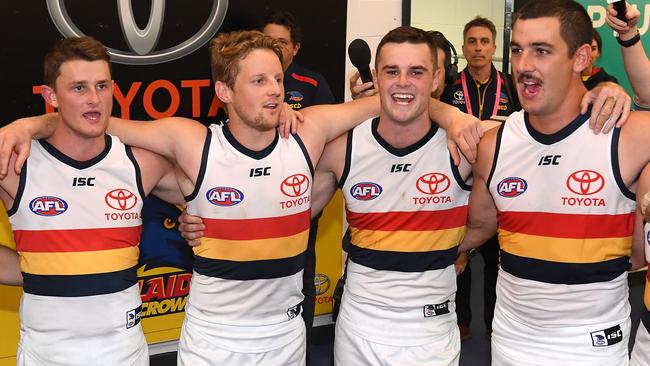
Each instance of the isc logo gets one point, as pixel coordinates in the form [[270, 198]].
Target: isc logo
[[224, 196], [365, 191], [512, 187], [48, 206]]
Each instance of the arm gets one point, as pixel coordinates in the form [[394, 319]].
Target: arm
[[10, 267], [331, 120], [361, 90], [463, 130], [328, 173], [638, 258], [635, 60], [482, 220], [610, 103], [17, 136]]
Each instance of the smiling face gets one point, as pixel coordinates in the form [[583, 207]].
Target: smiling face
[[544, 70], [479, 47], [83, 94], [406, 76], [256, 96]]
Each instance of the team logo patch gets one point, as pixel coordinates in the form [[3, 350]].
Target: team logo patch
[[459, 96], [585, 182], [433, 183], [322, 283], [295, 96], [133, 317], [647, 237], [365, 191], [121, 199], [48, 206], [295, 185], [431, 310], [224, 196], [607, 337], [512, 187], [294, 311]]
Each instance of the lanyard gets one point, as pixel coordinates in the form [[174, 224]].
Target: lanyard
[[468, 103]]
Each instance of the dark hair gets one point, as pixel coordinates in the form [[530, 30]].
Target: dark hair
[[406, 34], [286, 19], [68, 49], [599, 41], [575, 23], [480, 22], [442, 43], [228, 49]]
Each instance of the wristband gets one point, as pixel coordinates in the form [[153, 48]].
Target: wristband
[[630, 42]]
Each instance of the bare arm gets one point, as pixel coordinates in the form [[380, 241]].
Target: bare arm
[[17, 136], [331, 120], [482, 220], [10, 267], [635, 60], [328, 172], [464, 130], [639, 242]]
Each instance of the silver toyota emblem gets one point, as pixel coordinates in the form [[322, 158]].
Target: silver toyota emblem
[[143, 41]]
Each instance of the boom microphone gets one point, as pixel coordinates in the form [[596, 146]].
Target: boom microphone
[[359, 54]]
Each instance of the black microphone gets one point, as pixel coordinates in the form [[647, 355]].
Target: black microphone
[[619, 6], [359, 54]]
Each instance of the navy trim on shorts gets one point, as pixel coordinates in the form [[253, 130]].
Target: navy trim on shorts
[[249, 270], [204, 165], [403, 261], [563, 273], [79, 285]]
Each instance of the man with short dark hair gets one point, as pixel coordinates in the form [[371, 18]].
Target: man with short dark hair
[[561, 197]]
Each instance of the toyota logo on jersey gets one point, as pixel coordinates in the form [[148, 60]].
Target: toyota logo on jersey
[[224, 196], [121, 199], [365, 191], [585, 182], [295, 185], [48, 206], [433, 183]]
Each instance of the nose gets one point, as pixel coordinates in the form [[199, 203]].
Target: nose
[[522, 63], [93, 96], [276, 88], [403, 79]]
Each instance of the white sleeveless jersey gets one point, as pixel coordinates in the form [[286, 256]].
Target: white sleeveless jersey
[[256, 209], [565, 224], [77, 229], [407, 211]]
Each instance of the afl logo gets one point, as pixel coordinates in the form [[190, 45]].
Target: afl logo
[[365, 191], [295, 185], [224, 196], [433, 183], [512, 187], [585, 182], [48, 206], [121, 199]]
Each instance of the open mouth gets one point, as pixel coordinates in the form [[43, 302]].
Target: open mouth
[[530, 87], [402, 98], [92, 116], [271, 106]]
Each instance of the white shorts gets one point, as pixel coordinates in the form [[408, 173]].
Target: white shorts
[[641, 351], [88, 330], [518, 344], [210, 344], [350, 349]]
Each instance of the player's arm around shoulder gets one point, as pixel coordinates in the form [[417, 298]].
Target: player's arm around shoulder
[[328, 172], [158, 176], [169, 137], [323, 123], [10, 267]]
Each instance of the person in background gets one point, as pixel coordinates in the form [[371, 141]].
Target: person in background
[[483, 91], [593, 75]]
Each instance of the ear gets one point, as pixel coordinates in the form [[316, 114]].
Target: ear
[[49, 95], [436, 80], [224, 93], [296, 47], [582, 58], [374, 78]]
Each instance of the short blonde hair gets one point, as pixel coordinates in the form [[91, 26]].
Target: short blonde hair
[[227, 49]]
